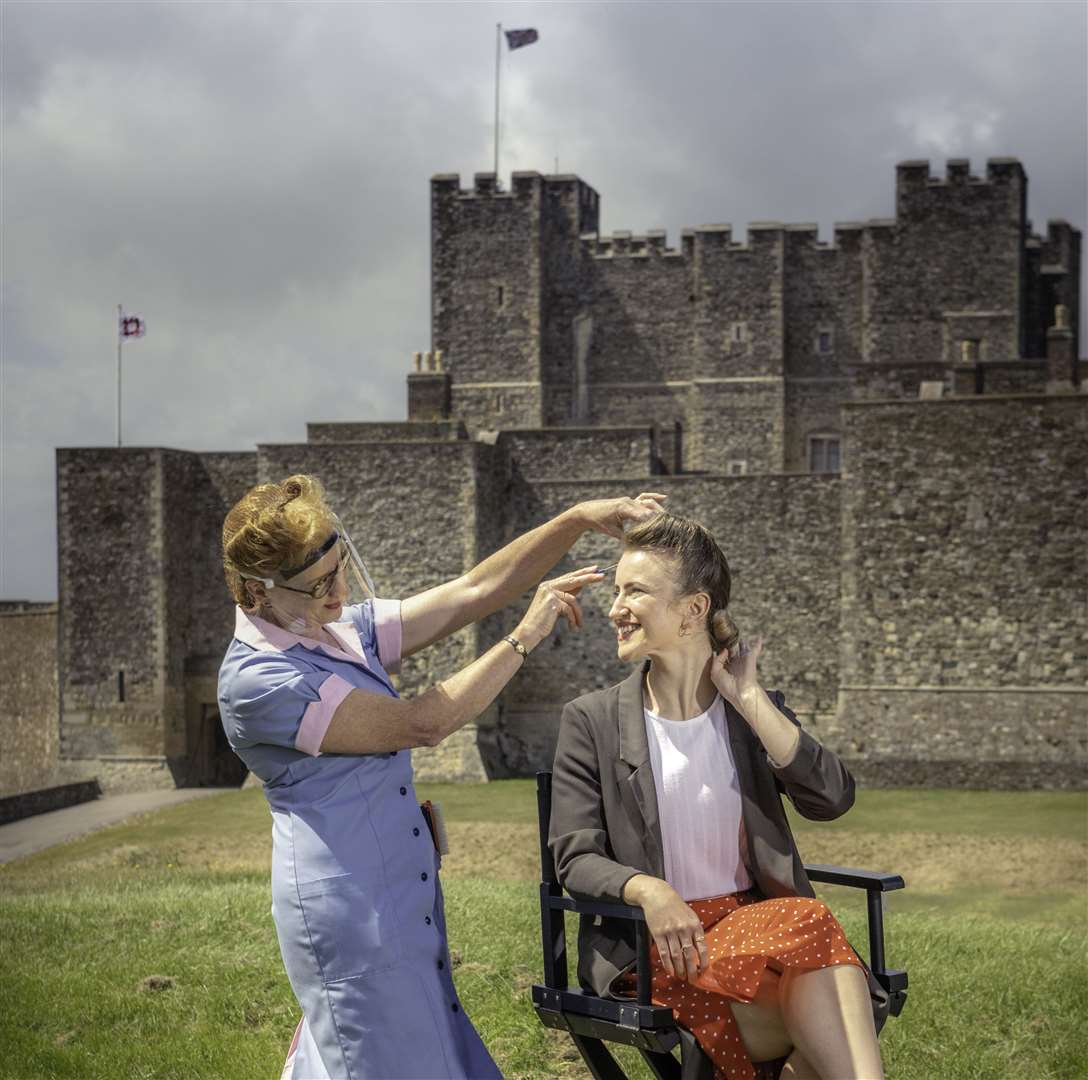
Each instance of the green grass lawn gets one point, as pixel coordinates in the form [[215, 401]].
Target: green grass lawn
[[998, 983]]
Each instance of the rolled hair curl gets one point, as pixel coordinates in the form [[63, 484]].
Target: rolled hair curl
[[699, 566], [271, 526]]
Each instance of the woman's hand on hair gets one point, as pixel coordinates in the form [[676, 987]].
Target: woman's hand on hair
[[673, 925], [611, 516], [733, 671], [552, 599]]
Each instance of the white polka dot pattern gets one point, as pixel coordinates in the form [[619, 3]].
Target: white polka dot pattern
[[745, 936]]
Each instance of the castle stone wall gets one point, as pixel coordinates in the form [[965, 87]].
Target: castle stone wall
[[641, 302], [483, 241], [956, 249], [112, 580], [743, 284], [569, 209], [218, 482], [811, 408], [29, 727], [553, 453], [378, 431], [736, 423], [965, 591], [823, 294]]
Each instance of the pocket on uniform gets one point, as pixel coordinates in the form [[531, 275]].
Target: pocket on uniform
[[351, 925]]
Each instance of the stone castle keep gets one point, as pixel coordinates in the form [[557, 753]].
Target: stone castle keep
[[887, 433]]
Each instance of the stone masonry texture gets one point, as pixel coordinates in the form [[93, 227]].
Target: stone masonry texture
[[924, 602]]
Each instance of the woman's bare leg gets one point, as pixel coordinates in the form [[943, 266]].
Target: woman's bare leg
[[798, 1068], [829, 1017]]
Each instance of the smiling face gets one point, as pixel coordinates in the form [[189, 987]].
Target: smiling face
[[646, 610]]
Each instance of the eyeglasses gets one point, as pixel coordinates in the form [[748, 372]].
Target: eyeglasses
[[320, 588]]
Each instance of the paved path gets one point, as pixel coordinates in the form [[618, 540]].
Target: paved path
[[24, 837]]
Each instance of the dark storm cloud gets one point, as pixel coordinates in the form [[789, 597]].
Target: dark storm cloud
[[252, 179]]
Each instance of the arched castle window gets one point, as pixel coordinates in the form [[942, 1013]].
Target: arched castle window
[[824, 341]]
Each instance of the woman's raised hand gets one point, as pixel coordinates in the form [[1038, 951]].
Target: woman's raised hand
[[734, 670], [610, 516], [552, 599], [673, 925]]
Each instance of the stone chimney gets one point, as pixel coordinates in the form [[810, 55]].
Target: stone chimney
[[429, 388], [968, 375], [1062, 375]]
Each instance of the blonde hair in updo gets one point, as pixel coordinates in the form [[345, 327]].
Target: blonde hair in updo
[[700, 566], [273, 525]]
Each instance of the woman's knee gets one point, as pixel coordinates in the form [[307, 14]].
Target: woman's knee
[[762, 1029], [811, 909], [760, 1022]]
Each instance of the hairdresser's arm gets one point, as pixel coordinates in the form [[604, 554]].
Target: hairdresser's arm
[[503, 577], [366, 723]]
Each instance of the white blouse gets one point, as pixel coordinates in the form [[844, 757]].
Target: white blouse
[[698, 802]]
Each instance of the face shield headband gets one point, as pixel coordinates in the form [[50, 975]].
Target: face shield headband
[[360, 583]]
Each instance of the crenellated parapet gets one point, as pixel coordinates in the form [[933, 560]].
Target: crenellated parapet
[[913, 176], [918, 195]]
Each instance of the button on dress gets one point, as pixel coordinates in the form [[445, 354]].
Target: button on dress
[[355, 892]]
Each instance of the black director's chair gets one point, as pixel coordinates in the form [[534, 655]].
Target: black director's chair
[[592, 1021]]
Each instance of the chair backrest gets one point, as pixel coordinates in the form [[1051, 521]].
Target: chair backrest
[[544, 817]]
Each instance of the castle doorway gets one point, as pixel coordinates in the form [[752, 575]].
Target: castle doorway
[[212, 762]]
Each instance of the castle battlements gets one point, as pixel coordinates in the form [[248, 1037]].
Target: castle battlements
[[537, 312], [915, 175]]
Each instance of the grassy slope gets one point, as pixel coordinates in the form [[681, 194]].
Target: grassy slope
[[184, 893]]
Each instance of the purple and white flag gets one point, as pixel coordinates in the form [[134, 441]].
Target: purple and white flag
[[131, 326]]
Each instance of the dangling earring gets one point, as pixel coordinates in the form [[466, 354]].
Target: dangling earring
[[683, 629]]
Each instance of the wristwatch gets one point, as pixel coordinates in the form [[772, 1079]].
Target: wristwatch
[[518, 647]]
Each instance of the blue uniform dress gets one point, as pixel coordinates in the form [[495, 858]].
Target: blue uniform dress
[[355, 892]]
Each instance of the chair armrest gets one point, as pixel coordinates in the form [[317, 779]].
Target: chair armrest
[[594, 907], [873, 880]]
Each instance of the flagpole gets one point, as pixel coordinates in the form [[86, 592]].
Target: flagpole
[[119, 312], [498, 56]]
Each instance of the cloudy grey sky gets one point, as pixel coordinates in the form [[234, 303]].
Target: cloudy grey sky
[[252, 178]]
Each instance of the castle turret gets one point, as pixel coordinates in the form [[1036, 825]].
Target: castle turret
[[505, 288]]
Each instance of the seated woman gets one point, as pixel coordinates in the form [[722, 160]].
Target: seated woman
[[666, 794]]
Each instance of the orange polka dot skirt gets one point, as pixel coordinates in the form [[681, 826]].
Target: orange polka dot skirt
[[744, 937]]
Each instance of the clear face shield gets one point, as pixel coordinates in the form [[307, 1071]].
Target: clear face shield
[[350, 569], [359, 582]]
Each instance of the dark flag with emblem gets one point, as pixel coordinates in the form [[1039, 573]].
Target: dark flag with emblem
[[516, 38]]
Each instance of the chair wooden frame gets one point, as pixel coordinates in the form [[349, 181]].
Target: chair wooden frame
[[591, 1021]]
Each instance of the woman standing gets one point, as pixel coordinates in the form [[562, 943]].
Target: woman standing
[[666, 795], [307, 703]]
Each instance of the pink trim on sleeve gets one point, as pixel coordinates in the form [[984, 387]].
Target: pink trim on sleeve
[[388, 630], [318, 714]]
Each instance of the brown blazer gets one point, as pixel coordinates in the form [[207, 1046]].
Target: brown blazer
[[605, 828]]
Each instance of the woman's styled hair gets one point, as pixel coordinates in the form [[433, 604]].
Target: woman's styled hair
[[272, 526], [699, 566]]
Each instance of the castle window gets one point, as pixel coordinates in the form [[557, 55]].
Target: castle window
[[825, 341], [502, 296], [736, 467], [120, 686], [823, 454]]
